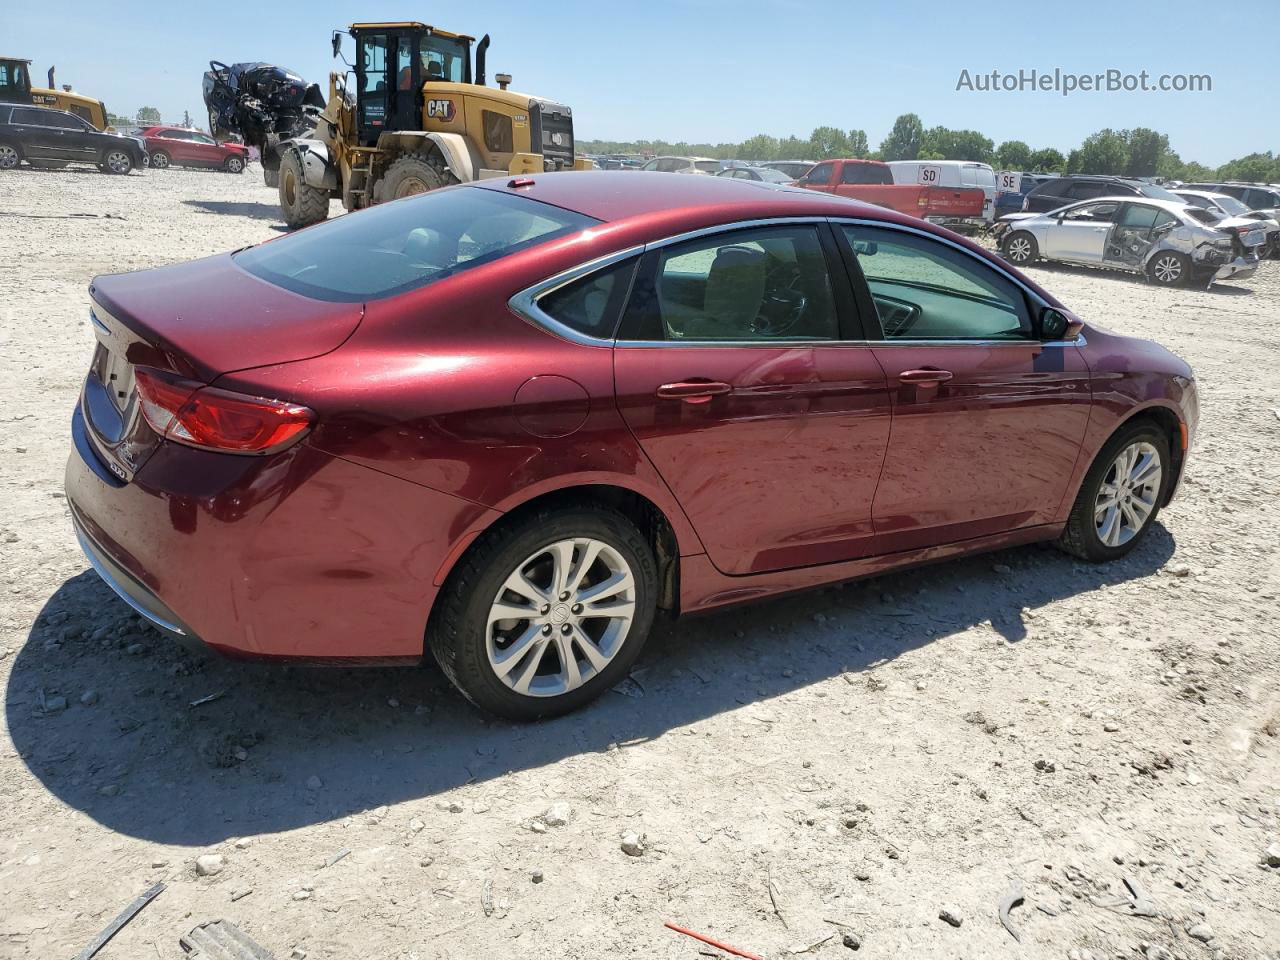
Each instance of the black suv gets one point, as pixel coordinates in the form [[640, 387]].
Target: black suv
[[1060, 191], [53, 138]]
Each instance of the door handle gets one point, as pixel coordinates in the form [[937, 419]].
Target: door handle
[[925, 376], [693, 391]]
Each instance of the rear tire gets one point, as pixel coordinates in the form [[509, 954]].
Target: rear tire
[[1169, 269], [411, 175], [10, 156], [1133, 455], [160, 160], [547, 628], [301, 203], [1020, 248]]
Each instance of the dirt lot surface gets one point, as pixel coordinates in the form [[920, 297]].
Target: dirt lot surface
[[815, 775]]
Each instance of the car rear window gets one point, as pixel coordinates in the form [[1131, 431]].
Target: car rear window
[[399, 246]]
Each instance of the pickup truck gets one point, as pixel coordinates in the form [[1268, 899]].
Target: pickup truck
[[872, 182]]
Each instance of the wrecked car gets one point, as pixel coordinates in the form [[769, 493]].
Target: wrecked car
[[1162, 239], [262, 103]]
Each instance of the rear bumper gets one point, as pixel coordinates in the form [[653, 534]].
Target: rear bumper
[[1240, 268], [295, 555], [131, 590]]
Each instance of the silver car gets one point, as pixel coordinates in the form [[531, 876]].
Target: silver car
[[1231, 212], [1159, 238]]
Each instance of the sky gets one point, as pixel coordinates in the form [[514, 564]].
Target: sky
[[712, 70]]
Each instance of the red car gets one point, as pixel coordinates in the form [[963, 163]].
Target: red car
[[872, 182], [175, 147], [509, 421]]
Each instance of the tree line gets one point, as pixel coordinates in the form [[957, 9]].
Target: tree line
[[1140, 152]]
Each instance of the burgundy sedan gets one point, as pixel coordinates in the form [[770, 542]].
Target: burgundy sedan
[[507, 421], [176, 147]]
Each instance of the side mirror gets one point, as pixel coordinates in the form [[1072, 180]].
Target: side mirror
[[866, 248], [337, 42], [1056, 325]]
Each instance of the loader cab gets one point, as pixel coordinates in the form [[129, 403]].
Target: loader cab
[[393, 61], [15, 80]]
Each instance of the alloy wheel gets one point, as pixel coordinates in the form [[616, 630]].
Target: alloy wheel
[[1167, 269], [560, 617], [8, 157], [160, 161], [1127, 496], [118, 162], [1019, 249], [235, 165]]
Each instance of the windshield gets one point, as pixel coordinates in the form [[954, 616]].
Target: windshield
[[773, 176], [395, 247]]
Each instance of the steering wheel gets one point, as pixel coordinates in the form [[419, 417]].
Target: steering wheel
[[783, 305]]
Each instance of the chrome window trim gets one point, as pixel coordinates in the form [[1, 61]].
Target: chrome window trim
[[525, 302]]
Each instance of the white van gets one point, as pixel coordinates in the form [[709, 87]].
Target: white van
[[950, 173]]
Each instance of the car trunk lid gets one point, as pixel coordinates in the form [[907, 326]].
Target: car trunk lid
[[197, 321]]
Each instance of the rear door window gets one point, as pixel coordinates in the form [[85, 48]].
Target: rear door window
[[759, 285], [395, 247], [1088, 189]]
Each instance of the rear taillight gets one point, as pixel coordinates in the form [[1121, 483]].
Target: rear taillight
[[922, 201], [215, 419]]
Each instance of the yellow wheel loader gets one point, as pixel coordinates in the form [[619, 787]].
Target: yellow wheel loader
[[15, 87], [413, 115]]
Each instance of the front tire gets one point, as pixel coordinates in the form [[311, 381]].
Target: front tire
[[234, 165], [1169, 269], [1121, 495], [411, 175], [301, 203], [117, 162], [160, 160], [1020, 248], [541, 618]]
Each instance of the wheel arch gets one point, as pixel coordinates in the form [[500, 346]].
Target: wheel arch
[[650, 519], [459, 157], [1164, 415]]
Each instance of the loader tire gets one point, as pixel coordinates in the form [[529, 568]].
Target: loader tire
[[301, 203], [412, 174]]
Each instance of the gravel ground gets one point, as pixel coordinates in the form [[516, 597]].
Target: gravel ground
[[819, 774]]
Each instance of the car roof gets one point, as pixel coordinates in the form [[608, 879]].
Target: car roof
[[672, 196], [1207, 194], [1168, 205]]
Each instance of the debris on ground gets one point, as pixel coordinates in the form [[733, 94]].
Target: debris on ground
[[949, 913], [222, 940], [1010, 900], [122, 918], [632, 844], [209, 865], [711, 942]]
